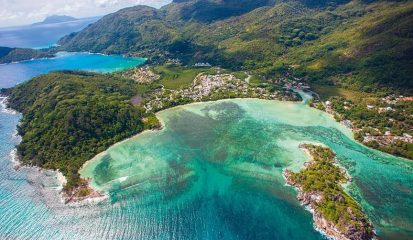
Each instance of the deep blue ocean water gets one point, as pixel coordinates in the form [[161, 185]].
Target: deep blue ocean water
[[29, 205], [214, 172], [42, 35]]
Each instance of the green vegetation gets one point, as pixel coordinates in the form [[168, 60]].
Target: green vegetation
[[328, 91], [347, 47], [240, 75], [69, 117], [360, 45], [298, 32], [323, 177], [369, 51], [373, 117], [176, 77], [9, 55]]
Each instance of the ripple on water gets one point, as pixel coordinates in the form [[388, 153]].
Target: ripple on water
[[214, 172], [15, 73]]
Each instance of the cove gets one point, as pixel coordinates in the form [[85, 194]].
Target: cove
[[15, 73], [214, 172]]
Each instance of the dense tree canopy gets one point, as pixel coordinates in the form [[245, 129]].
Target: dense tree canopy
[[363, 45], [68, 117]]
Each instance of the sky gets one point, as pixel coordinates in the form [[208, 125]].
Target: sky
[[23, 12]]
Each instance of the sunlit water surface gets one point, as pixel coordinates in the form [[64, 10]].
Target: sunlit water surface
[[15, 73], [41, 35], [213, 172]]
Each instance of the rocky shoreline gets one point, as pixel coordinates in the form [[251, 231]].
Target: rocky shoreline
[[84, 194], [353, 230]]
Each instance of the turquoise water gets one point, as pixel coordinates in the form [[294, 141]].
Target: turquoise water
[[15, 73], [213, 172]]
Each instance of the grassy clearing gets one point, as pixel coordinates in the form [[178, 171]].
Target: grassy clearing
[[256, 79], [240, 75], [327, 91], [176, 77]]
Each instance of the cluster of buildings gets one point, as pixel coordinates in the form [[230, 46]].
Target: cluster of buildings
[[143, 74], [204, 85], [388, 138], [393, 99], [384, 105], [202, 64], [210, 87], [295, 84], [174, 61]]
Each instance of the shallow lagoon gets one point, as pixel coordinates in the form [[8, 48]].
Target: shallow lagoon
[[214, 172]]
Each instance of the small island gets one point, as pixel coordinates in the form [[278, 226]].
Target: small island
[[319, 187], [71, 116]]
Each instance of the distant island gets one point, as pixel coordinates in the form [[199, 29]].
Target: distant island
[[56, 19], [356, 58]]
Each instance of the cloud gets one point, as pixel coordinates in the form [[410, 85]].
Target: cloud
[[21, 12], [105, 3]]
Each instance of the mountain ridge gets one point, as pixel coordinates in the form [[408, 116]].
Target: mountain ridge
[[268, 38]]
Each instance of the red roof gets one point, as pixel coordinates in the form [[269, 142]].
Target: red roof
[[407, 99]]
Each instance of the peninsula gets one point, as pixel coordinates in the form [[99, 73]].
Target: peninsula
[[70, 116], [354, 57], [10, 55], [319, 187]]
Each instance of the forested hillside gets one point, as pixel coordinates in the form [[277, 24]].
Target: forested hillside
[[9, 55], [363, 45], [69, 117]]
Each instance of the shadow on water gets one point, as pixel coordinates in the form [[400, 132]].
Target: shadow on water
[[214, 172]]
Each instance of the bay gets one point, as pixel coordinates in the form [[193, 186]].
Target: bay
[[215, 171], [15, 73]]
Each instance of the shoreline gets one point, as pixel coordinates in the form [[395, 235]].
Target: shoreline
[[61, 54], [121, 142], [163, 126], [300, 197], [352, 130], [4, 108], [104, 195], [27, 60], [62, 180], [162, 122], [309, 201]]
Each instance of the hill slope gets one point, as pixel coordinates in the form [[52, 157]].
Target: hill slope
[[359, 45], [69, 117]]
